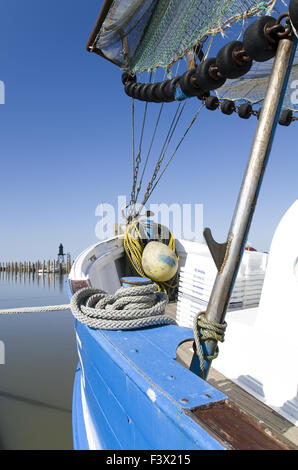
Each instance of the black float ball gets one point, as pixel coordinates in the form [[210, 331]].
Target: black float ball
[[160, 92], [170, 88], [228, 107], [229, 64], [129, 86], [142, 92], [136, 91], [207, 80], [286, 117], [186, 85], [256, 42], [212, 103], [245, 110], [150, 93]]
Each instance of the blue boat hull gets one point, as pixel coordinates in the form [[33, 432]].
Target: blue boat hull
[[130, 393], [80, 439]]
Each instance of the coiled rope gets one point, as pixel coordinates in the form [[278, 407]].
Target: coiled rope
[[135, 307], [207, 330]]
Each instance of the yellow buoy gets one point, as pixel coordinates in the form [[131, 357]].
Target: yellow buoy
[[159, 262]]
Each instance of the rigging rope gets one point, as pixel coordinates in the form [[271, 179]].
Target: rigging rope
[[133, 213], [147, 196], [149, 151], [167, 141], [137, 160]]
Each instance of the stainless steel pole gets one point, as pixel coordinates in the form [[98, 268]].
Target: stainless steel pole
[[247, 199]]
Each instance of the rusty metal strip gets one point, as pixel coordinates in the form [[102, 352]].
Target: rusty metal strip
[[235, 428]]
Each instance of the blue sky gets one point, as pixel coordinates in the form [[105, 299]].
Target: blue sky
[[65, 141]]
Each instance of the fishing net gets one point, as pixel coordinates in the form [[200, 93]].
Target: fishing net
[[252, 86], [140, 35], [144, 35]]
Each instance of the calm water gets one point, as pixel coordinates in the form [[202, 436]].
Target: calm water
[[40, 360]]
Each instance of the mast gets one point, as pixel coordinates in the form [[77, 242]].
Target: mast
[[228, 256]]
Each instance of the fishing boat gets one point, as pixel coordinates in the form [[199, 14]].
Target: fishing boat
[[150, 310]]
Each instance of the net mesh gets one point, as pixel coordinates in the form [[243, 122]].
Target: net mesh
[[144, 35], [140, 35], [252, 86]]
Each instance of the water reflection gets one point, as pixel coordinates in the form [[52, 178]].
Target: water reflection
[[53, 280], [40, 360]]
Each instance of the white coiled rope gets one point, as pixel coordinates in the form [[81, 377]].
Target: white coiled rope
[[135, 307]]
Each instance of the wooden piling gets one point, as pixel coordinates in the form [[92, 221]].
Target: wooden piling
[[35, 267]]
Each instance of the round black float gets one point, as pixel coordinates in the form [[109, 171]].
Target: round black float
[[160, 93], [257, 42], [129, 88], [228, 107], [170, 88], [231, 60], [151, 93], [286, 117], [212, 103], [186, 84], [136, 91], [142, 92], [245, 111], [207, 77]]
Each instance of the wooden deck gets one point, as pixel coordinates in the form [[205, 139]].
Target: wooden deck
[[272, 421]]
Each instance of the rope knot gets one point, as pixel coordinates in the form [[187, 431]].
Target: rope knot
[[205, 330]]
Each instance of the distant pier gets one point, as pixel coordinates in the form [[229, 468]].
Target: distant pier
[[38, 267]]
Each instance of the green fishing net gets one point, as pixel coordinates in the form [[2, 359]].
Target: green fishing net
[[144, 35], [140, 35]]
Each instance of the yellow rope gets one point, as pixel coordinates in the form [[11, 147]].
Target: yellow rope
[[134, 247]]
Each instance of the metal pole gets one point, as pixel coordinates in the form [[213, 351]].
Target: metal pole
[[247, 199]]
